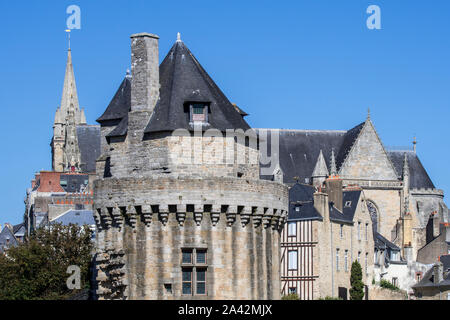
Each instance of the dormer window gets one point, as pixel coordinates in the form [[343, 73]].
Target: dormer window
[[198, 112]]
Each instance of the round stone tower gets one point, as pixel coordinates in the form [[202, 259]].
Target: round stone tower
[[181, 211]]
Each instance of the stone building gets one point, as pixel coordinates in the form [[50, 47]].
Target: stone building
[[328, 228], [435, 283], [407, 211], [75, 147], [180, 209]]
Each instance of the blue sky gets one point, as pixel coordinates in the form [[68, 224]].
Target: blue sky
[[289, 64]]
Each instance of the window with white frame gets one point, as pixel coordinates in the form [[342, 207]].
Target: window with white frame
[[359, 230], [292, 229], [366, 263], [337, 259], [341, 232], [292, 259], [346, 260]]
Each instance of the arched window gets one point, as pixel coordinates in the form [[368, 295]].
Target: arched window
[[373, 211]]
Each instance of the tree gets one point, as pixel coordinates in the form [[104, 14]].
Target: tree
[[357, 289], [36, 269]]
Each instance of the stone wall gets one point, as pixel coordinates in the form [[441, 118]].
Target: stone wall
[[378, 293], [145, 223]]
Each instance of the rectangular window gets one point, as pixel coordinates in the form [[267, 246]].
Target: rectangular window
[[187, 280], [395, 281], [342, 231], [201, 281], [292, 256], [359, 257], [367, 232], [292, 290], [199, 112], [337, 259], [201, 256], [194, 269], [366, 262], [346, 260], [187, 256], [359, 230], [292, 229]]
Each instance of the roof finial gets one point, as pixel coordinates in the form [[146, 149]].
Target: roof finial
[[368, 113], [178, 37], [333, 169], [414, 144], [68, 31], [128, 75]]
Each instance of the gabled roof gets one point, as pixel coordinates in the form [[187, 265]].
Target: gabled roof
[[182, 80], [348, 142], [418, 176], [120, 105], [18, 227], [302, 196], [7, 239]]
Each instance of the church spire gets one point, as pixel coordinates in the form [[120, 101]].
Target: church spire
[[333, 169]]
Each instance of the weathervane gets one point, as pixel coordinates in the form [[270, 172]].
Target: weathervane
[[68, 31]]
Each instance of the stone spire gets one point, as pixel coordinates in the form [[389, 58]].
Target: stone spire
[[333, 169], [320, 172], [70, 95], [68, 116]]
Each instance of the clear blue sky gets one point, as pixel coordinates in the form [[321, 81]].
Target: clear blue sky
[[290, 64]]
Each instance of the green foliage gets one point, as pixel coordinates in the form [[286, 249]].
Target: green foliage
[[330, 298], [386, 284], [291, 296], [37, 268], [357, 289]]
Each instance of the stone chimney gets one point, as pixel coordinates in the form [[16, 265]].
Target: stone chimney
[[145, 72], [321, 204], [438, 273], [334, 190]]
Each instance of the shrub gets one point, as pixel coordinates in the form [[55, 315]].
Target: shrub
[[388, 285], [291, 296]]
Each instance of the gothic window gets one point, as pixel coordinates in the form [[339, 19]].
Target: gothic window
[[373, 211]]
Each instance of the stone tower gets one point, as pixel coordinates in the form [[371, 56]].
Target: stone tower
[[180, 209], [65, 151]]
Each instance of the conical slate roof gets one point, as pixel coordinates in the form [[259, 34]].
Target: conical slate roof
[[120, 105], [183, 80], [320, 170]]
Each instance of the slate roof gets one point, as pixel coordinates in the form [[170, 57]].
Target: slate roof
[[119, 105], [351, 197], [7, 239], [427, 280], [383, 243], [182, 80], [17, 228], [89, 144], [302, 196], [299, 150], [418, 175], [79, 217], [445, 259], [74, 182]]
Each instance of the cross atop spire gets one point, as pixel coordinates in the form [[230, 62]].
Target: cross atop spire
[[68, 32], [368, 113]]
